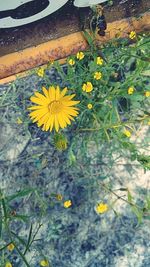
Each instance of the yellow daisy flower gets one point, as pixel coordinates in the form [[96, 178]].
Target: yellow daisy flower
[[80, 55], [131, 90], [101, 207], [147, 93], [11, 247], [71, 62], [53, 109], [40, 72], [87, 87], [89, 106], [132, 35], [97, 75], [99, 61], [127, 133], [67, 204], [44, 263], [8, 264]]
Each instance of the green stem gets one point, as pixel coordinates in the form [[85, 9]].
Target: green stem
[[119, 197], [33, 239], [9, 232], [116, 125]]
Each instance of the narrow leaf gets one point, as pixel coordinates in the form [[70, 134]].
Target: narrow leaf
[[138, 214], [29, 239], [129, 197], [21, 240], [20, 194]]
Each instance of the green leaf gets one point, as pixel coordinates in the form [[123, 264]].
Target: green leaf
[[21, 217], [1, 225], [2, 248], [22, 193], [21, 240], [130, 198], [88, 38], [29, 239], [138, 213], [146, 73]]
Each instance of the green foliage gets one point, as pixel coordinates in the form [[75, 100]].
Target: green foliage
[[117, 115]]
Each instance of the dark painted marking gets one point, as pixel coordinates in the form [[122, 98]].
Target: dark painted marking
[[26, 10]]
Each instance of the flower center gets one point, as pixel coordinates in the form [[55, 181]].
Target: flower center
[[55, 107]]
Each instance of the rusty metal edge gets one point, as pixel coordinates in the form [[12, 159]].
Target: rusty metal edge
[[21, 61]]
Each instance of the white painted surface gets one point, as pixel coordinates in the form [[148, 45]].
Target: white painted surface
[[86, 3], [9, 22]]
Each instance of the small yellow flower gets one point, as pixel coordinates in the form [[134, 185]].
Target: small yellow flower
[[127, 133], [147, 93], [131, 90], [132, 35], [99, 61], [44, 263], [59, 197], [87, 87], [67, 203], [71, 62], [10, 247], [80, 55], [89, 106], [40, 72], [101, 207], [8, 264], [148, 123], [19, 121], [97, 75]]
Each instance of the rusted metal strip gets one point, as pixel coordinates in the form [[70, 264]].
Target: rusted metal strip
[[62, 47], [35, 56]]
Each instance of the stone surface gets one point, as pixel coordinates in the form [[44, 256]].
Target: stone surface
[[77, 236], [12, 142]]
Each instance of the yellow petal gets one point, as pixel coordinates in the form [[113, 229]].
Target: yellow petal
[[37, 101], [49, 122], [43, 119], [42, 97], [52, 93], [64, 91], [52, 123], [39, 113], [71, 111], [61, 121], [70, 117], [45, 91], [67, 120], [67, 97], [70, 103], [56, 124], [36, 107], [67, 117], [57, 92]]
